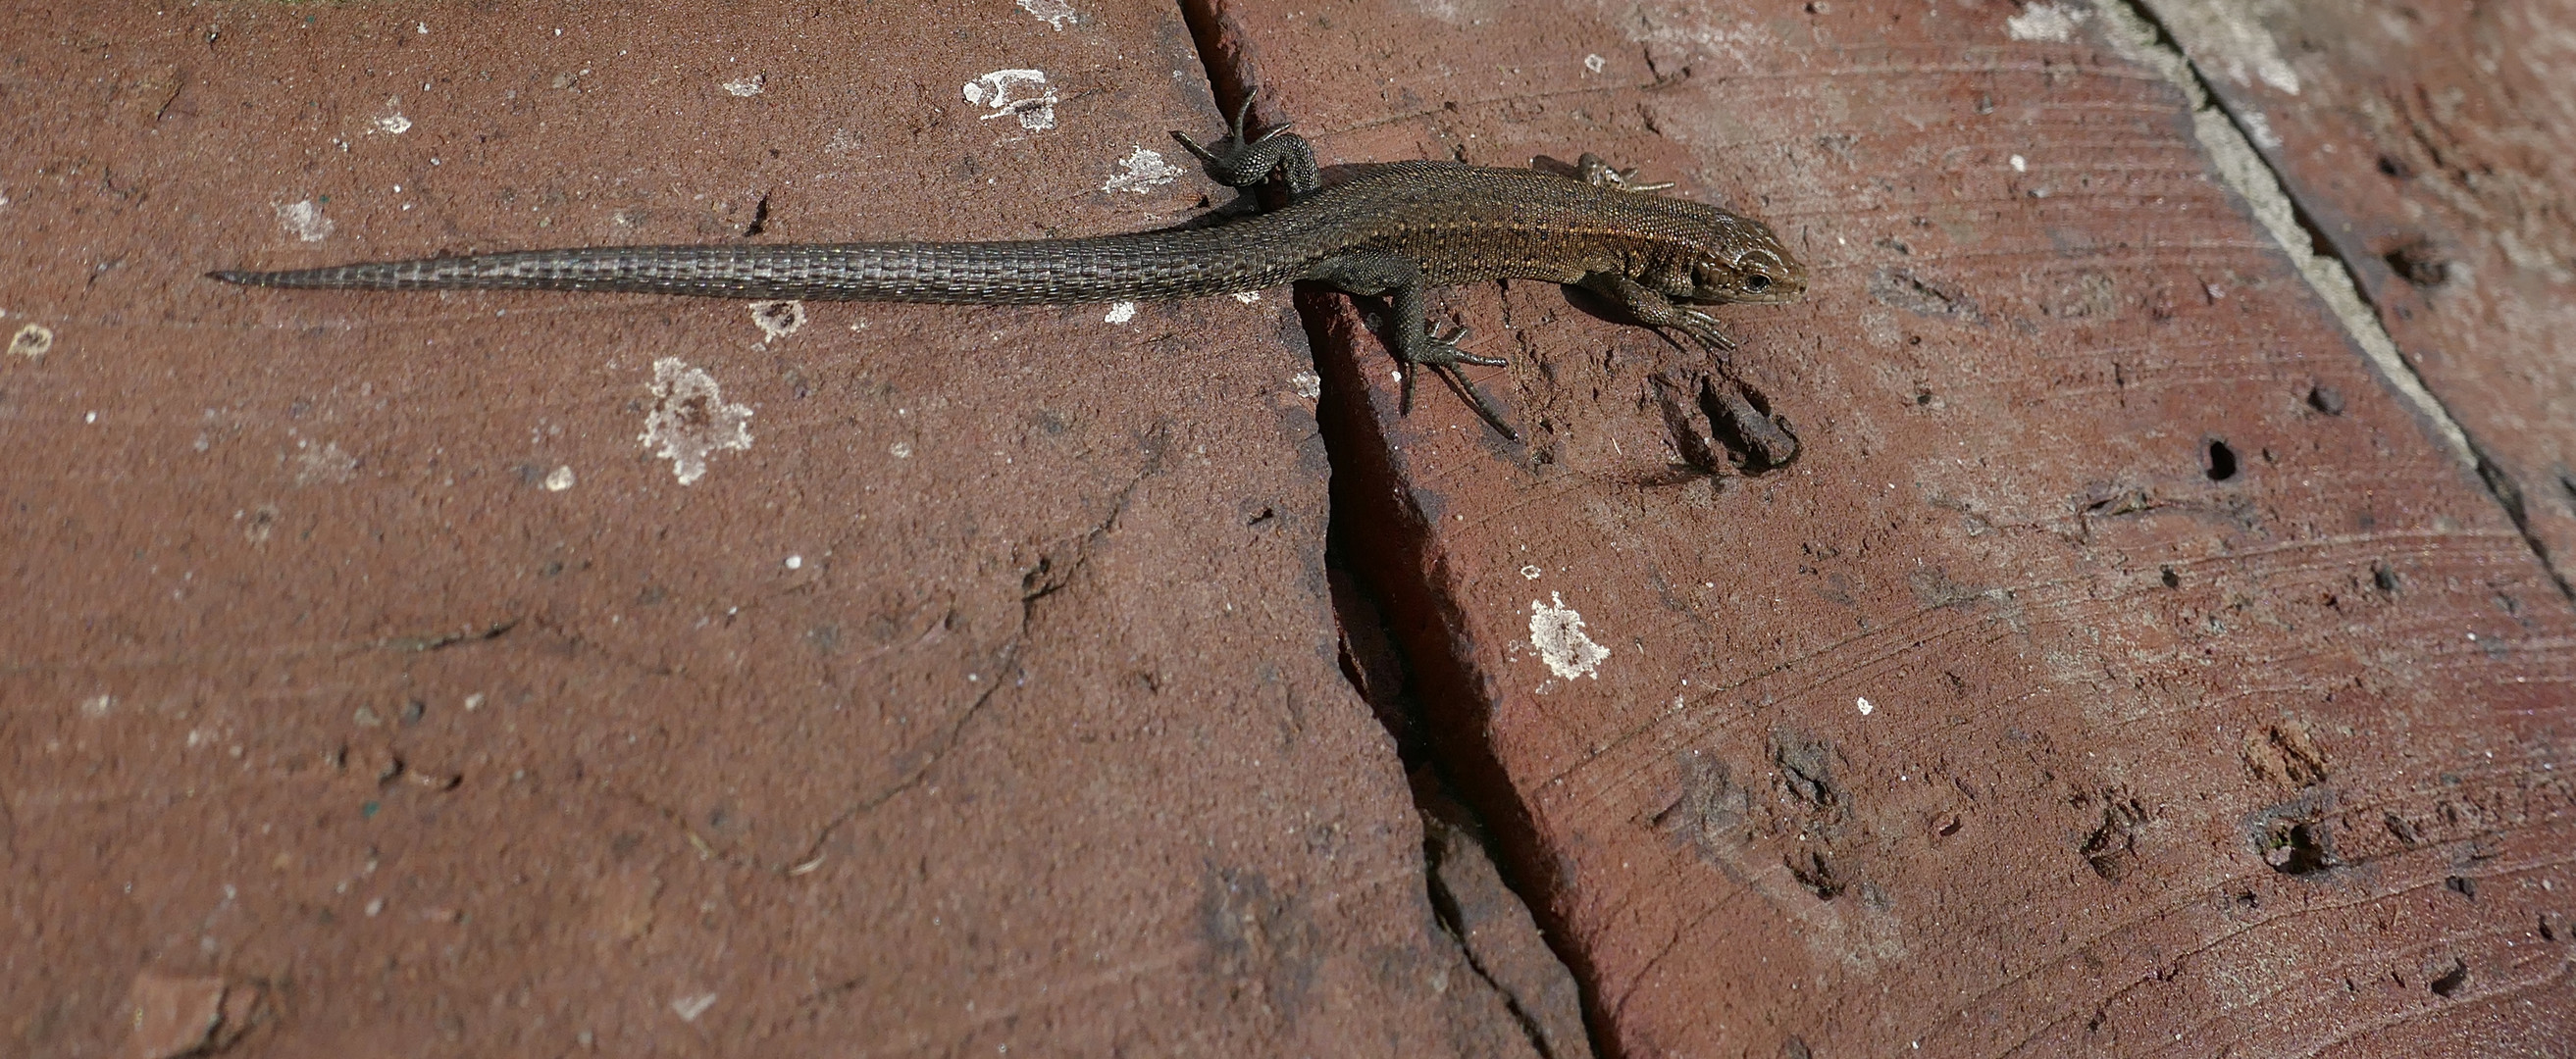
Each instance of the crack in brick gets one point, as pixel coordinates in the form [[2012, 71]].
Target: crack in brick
[[1041, 581], [2135, 30]]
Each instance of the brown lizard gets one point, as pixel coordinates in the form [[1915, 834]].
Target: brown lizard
[[1394, 229]]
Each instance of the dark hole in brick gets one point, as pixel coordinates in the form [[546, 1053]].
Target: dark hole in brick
[[2393, 166], [2452, 980], [2326, 399], [2416, 262], [2462, 885], [2299, 849], [2172, 579], [2222, 461], [1817, 874], [759, 218]]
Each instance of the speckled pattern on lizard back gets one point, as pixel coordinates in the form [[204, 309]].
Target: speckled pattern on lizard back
[[1392, 229]]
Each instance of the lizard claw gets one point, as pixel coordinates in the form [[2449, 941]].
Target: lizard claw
[[1444, 349], [1441, 356], [1599, 174], [1232, 144], [1244, 113], [1194, 147], [1241, 160], [1703, 328]]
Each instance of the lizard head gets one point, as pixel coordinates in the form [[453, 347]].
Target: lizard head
[[1746, 263]]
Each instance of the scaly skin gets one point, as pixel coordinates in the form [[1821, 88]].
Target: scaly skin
[[1395, 229]]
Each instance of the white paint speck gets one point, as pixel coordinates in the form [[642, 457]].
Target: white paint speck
[[1866, 706], [777, 319], [748, 86], [1595, 63], [1248, 297], [392, 122], [1531, 573], [2045, 22], [375, 905], [559, 479], [327, 465], [795, 562], [2019, 164], [901, 450], [1120, 313], [690, 1007], [304, 220], [690, 421], [97, 705], [474, 702], [1143, 171], [32, 341], [1557, 631], [2259, 129], [1024, 94], [423, 27], [1055, 12]]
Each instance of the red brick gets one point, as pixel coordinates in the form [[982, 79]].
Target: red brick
[[2087, 686], [987, 700]]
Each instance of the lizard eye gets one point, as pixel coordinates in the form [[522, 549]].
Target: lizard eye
[[1757, 282]]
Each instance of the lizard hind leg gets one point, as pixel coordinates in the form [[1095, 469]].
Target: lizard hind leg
[[1592, 170], [1241, 161], [1407, 331]]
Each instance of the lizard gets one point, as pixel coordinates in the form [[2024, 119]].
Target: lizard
[[1393, 229]]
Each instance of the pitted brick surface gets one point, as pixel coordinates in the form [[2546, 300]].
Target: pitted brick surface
[[2119, 668], [368, 674]]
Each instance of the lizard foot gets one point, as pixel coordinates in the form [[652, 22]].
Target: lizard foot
[[1702, 328], [1241, 161], [1598, 173], [1441, 356]]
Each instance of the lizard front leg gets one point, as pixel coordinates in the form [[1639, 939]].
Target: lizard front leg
[[1655, 310], [1766, 442], [1408, 333]]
